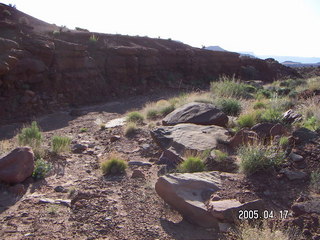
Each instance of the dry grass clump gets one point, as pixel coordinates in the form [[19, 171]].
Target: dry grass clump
[[113, 165], [60, 144], [130, 129], [261, 231]]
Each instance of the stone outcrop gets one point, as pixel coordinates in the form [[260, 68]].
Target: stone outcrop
[[64, 67], [186, 136], [197, 113], [17, 165]]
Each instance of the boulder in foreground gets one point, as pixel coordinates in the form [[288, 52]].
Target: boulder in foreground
[[197, 113], [17, 165]]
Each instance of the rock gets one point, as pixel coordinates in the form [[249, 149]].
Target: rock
[[268, 129], [114, 138], [244, 136], [17, 165], [312, 206], [137, 174], [185, 192], [79, 148], [304, 135], [197, 113], [295, 157], [18, 189], [182, 137], [145, 146], [76, 113], [65, 202], [290, 117], [228, 209], [138, 163], [294, 175], [59, 189], [169, 158], [225, 227]]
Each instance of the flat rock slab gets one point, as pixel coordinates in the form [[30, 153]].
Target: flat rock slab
[[182, 137], [197, 113], [312, 206], [188, 192]]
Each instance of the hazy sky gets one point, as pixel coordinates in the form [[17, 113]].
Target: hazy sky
[[274, 27]]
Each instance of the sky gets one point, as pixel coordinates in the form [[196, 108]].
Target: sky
[[265, 27]]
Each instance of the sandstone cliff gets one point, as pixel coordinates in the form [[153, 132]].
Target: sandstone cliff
[[44, 67]]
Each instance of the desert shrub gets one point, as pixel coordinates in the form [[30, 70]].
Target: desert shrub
[[41, 169], [229, 106], [102, 126], [231, 87], [135, 117], [166, 110], [315, 181], [284, 141], [93, 38], [263, 93], [263, 231], [258, 157], [82, 130], [191, 164], [311, 123], [130, 129], [30, 136], [114, 165], [249, 119], [60, 144], [259, 105], [220, 156], [271, 115], [152, 114]]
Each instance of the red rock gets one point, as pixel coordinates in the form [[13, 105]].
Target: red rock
[[17, 165]]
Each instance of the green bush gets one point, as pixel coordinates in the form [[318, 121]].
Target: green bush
[[263, 93], [312, 123], [231, 87], [166, 110], [130, 129], [248, 119], [41, 169], [114, 165], [60, 144], [30, 136], [259, 105], [271, 115], [135, 117], [229, 106], [257, 157], [284, 141], [82, 130], [220, 156], [152, 114], [191, 164]]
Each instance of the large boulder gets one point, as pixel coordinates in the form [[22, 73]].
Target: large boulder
[[188, 192], [182, 137], [191, 195], [17, 165], [268, 129], [197, 113]]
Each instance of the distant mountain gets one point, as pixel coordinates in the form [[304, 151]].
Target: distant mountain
[[216, 48], [299, 64]]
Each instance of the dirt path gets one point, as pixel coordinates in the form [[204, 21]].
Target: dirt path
[[101, 207]]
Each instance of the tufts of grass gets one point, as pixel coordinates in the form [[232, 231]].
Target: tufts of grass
[[220, 156], [263, 231], [30, 136], [102, 126], [83, 130], [315, 181], [60, 144], [158, 109], [41, 169], [130, 129], [284, 142], [5, 146], [93, 38], [258, 157], [135, 117], [113, 165], [231, 87], [191, 164], [229, 106], [249, 119], [271, 115], [259, 105], [311, 114]]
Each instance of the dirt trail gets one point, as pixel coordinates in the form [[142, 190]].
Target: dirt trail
[[101, 207]]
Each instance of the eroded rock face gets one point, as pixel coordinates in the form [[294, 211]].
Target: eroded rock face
[[197, 113], [182, 137], [17, 165]]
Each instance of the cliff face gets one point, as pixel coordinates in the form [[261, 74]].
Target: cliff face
[[43, 67]]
